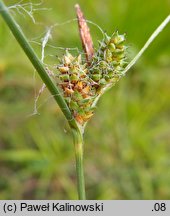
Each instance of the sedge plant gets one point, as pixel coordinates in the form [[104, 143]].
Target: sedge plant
[[77, 82]]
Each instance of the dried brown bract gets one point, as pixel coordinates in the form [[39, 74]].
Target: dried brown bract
[[85, 36]]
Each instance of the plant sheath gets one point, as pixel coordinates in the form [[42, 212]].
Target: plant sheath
[[78, 145]]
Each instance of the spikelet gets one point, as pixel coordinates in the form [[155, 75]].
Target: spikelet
[[76, 87], [109, 61]]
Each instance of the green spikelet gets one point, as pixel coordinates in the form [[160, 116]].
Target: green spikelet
[[110, 60], [81, 83]]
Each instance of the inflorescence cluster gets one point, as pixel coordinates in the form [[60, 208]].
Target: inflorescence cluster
[[81, 82]]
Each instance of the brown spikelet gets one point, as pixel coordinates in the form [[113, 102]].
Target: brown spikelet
[[79, 119], [85, 36]]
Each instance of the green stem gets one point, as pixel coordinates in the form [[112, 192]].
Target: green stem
[[78, 144], [22, 40], [77, 134]]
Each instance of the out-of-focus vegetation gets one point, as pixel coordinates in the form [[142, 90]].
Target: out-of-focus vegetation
[[127, 143]]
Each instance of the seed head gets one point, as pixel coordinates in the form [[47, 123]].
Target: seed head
[[82, 83]]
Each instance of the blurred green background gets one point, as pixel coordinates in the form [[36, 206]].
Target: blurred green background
[[127, 143]]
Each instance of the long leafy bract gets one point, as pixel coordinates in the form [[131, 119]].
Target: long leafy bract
[[147, 44], [20, 37]]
